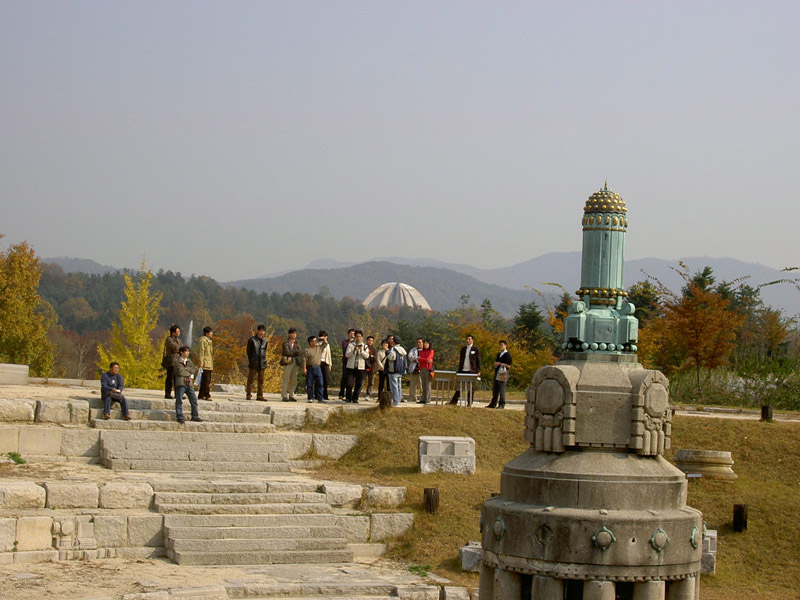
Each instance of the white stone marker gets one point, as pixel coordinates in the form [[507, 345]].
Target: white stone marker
[[443, 454]]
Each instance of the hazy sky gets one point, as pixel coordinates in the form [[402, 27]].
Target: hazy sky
[[235, 139]]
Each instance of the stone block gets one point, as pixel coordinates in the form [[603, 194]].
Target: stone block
[[340, 494], [62, 411], [35, 556], [40, 441], [334, 445], [297, 444], [111, 531], [447, 464], [71, 494], [417, 592], [147, 596], [318, 415], [367, 550], [711, 464], [385, 496], [9, 439], [80, 442], [11, 374], [8, 534], [450, 592], [16, 411], [291, 418], [146, 530], [470, 556], [355, 528], [210, 592], [385, 526], [34, 533], [126, 494], [446, 454], [708, 560], [22, 494]]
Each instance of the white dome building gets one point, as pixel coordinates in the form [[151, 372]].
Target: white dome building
[[396, 294]]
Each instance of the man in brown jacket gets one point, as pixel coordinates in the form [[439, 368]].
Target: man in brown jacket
[[291, 361], [171, 346]]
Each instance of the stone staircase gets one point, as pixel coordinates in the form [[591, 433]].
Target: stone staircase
[[159, 415], [193, 450], [249, 522], [339, 590]]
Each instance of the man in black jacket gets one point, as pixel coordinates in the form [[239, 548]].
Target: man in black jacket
[[171, 345], [257, 362]]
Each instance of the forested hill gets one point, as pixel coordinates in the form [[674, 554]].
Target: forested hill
[[442, 288]]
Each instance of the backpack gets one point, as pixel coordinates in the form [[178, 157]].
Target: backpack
[[399, 364]]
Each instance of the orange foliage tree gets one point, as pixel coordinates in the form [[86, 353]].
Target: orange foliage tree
[[697, 330]]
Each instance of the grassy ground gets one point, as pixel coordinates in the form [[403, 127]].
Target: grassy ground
[[761, 563]]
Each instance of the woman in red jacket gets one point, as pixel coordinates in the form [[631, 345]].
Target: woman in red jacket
[[426, 371]]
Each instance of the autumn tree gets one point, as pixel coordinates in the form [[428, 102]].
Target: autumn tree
[[697, 331], [131, 342], [24, 316]]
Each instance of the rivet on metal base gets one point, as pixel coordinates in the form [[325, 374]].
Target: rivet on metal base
[[499, 528], [659, 540], [603, 538]]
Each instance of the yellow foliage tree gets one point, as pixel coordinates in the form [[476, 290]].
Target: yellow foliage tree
[[132, 345], [23, 314]]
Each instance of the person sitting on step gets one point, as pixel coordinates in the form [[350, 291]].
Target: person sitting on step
[[111, 386]]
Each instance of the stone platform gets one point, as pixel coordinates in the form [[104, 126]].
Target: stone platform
[[230, 490]]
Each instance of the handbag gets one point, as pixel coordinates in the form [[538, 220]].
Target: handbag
[[117, 396]]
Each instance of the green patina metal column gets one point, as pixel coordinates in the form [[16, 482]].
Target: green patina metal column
[[592, 510], [602, 321]]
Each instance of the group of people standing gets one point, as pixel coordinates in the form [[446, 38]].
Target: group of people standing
[[361, 361]]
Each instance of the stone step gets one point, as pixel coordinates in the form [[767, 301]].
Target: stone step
[[261, 557], [212, 416], [174, 453], [182, 466], [234, 487], [190, 426], [245, 509], [301, 590], [203, 405], [187, 435], [251, 533], [257, 545], [318, 596], [172, 521], [237, 498]]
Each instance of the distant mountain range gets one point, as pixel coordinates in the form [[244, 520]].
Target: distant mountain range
[[80, 265], [440, 283], [443, 284]]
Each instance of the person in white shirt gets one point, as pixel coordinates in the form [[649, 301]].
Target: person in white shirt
[[357, 355]]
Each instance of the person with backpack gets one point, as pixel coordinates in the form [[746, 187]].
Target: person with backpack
[[396, 368]]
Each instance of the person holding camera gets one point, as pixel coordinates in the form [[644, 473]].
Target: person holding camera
[[357, 355]]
